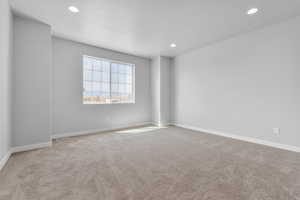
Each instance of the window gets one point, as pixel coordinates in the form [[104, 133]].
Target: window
[[107, 82]]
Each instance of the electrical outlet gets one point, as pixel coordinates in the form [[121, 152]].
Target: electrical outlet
[[276, 130]]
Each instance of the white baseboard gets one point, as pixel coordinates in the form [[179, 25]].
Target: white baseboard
[[31, 147], [4, 160], [243, 138], [93, 131], [161, 124]]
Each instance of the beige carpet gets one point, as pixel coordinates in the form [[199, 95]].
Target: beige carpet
[[147, 164]]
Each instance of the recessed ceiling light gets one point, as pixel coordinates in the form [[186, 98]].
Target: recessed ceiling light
[[173, 45], [252, 11], [73, 9]]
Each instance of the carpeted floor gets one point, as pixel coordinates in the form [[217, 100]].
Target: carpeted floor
[[149, 163]]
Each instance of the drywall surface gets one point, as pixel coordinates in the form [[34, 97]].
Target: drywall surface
[[246, 86], [155, 87], [165, 67], [5, 77], [70, 114], [31, 86], [160, 82]]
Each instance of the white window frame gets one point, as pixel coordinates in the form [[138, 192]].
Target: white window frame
[[110, 72]]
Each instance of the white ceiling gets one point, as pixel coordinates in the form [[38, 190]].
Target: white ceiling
[[148, 27]]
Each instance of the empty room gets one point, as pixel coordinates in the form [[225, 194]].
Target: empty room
[[149, 100]]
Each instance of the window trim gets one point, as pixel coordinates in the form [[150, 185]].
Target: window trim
[[110, 61]]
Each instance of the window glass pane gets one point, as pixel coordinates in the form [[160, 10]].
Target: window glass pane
[[97, 65], [96, 90], [114, 77], [97, 87], [114, 88], [122, 78], [97, 76], [121, 83], [105, 66], [127, 69], [88, 75], [122, 69], [105, 77], [122, 89], [114, 67], [105, 87]]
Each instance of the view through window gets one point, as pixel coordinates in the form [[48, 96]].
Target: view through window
[[107, 82]]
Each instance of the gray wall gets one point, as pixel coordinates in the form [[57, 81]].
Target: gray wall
[[165, 64], [5, 80], [31, 113], [155, 87], [160, 72], [245, 86], [70, 115]]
